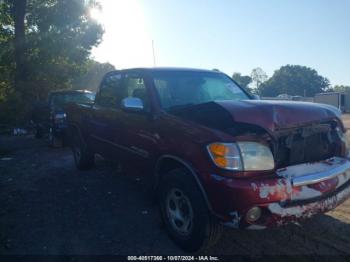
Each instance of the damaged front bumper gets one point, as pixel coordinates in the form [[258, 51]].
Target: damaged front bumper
[[295, 193]]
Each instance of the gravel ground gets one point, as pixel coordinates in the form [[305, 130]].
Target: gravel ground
[[50, 208]]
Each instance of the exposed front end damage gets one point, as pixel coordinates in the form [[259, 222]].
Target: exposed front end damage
[[309, 150], [312, 176], [311, 188], [296, 192], [309, 143]]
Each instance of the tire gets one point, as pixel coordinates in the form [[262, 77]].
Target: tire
[[83, 158], [181, 200], [54, 141]]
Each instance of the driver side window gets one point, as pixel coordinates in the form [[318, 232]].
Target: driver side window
[[135, 87], [110, 91]]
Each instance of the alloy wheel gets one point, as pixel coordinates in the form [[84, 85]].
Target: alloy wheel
[[179, 211]]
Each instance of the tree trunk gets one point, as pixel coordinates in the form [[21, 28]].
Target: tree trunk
[[19, 11]]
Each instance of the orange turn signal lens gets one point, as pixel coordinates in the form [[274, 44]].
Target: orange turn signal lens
[[218, 149], [225, 155], [220, 161]]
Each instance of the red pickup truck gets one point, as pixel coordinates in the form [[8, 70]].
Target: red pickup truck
[[217, 155]]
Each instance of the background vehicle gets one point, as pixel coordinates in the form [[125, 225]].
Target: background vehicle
[[50, 118], [217, 156]]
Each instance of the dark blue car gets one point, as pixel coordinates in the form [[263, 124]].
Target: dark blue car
[[53, 121]]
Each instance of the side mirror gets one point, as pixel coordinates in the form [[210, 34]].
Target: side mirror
[[132, 104], [256, 97]]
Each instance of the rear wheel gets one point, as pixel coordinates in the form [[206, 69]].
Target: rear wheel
[[185, 213], [83, 158]]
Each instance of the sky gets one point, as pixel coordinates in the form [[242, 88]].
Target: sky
[[229, 35]]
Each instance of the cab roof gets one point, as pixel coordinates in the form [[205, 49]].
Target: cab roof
[[166, 69]]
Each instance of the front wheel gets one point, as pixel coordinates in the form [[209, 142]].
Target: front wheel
[[185, 213]]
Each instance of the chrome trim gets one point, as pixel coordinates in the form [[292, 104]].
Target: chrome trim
[[132, 104], [321, 176]]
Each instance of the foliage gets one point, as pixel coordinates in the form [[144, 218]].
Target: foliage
[[340, 88], [242, 80], [6, 51], [294, 80], [92, 78], [59, 36], [258, 77]]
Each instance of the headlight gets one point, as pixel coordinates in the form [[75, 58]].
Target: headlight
[[256, 156], [60, 116], [241, 156]]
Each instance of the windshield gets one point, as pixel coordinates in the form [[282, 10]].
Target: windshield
[[59, 100], [177, 89]]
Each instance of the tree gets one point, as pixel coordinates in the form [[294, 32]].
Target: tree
[[242, 80], [294, 80], [6, 51], [44, 45], [60, 42], [258, 77], [19, 11], [341, 89], [92, 78]]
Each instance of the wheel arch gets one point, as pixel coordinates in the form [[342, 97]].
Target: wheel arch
[[74, 127], [166, 163]]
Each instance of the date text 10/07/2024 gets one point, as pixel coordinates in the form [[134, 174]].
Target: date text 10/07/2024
[[172, 258]]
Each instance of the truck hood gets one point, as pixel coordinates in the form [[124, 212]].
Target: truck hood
[[270, 115], [273, 115]]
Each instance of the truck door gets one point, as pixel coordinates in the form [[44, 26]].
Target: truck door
[[104, 122], [138, 138]]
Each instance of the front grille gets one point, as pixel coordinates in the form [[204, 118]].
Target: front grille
[[307, 144]]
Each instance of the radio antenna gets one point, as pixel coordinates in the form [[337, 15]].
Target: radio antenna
[[154, 54]]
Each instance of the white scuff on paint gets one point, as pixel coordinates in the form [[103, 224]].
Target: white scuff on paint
[[309, 210], [265, 190], [312, 168], [254, 186], [343, 178], [281, 186], [275, 208], [305, 193]]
